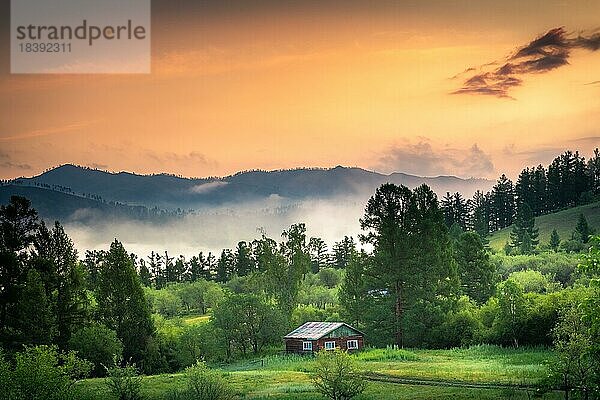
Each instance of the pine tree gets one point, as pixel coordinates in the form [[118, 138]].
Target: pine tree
[[353, 291], [64, 278], [475, 271], [594, 172], [122, 305], [144, 272], [244, 264], [480, 214], [582, 230], [524, 235], [502, 203], [554, 240], [318, 254], [35, 321], [342, 251], [225, 266], [412, 260]]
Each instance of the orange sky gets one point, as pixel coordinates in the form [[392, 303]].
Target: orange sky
[[281, 85]]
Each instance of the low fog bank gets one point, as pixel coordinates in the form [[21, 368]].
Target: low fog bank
[[219, 228]]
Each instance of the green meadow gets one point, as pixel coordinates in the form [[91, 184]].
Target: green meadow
[[500, 373]]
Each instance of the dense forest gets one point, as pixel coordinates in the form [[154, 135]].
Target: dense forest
[[421, 275]]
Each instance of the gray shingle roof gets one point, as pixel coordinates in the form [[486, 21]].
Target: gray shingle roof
[[315, 330]]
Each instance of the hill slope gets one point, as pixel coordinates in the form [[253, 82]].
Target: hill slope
[[563, 221], [53, 205], [173, 192]]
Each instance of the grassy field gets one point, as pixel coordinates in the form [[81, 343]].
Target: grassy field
[[287, 377], [563, 221]]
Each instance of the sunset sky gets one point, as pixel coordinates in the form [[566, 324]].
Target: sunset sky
[[410, 86]]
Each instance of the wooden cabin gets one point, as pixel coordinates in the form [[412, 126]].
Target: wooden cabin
[[316, 336]]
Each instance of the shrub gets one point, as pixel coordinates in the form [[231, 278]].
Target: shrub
[[41, 373], [97, 344], [204, 384], [336, 375], [124, 382]]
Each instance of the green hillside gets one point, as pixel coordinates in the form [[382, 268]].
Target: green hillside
[[563, 221]]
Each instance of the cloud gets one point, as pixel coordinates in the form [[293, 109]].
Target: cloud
[[422, 159], [207, 187], [545, 53], [169, 160], [11, 165], [6, 162], [75, 126]]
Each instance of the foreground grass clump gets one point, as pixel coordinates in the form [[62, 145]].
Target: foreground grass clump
[[390, 353], [204, 384]]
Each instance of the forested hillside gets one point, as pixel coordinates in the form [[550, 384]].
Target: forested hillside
[[172, 192], [420, 276]]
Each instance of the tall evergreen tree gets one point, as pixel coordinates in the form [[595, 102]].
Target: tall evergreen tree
[[225, 266], [36, 321], [342, 251], [480, 210], [503, 203], [476, 273], [582, 230], [594, 172], [144, 272], [554, 240], [318, 254], [412, 257], [122, 305], [524, 235], [353, 290], [244, 264], [56, 259]]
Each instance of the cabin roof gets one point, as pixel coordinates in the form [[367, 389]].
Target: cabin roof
[[316, 330]]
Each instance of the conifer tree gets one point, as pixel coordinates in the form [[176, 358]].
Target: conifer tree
[[122, 305], [554, 240], [524, 235], [582, 230]]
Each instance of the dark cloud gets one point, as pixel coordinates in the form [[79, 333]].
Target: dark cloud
[[545, 53], [12, 165], [7, 162], [422, 159]]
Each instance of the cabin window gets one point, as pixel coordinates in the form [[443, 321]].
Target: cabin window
[[352, 344], [329, 345], [307, 346]]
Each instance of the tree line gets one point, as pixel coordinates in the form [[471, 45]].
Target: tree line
[[568, 181]]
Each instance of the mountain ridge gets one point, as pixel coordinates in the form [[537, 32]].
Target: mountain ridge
[[172, 192]]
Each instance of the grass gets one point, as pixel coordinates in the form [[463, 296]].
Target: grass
[[287, 376], [563, 221], [196, 320]]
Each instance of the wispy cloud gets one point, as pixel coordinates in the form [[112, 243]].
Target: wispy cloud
[[8, 163], [423, 159], [547, 52], [75, 126]]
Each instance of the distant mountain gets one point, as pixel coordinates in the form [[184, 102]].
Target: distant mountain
[[55, 205], [172, 192]]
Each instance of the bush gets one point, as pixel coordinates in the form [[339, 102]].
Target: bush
[[97, 344], [336, 375], [124, 382], [41, 373], [204, 384]]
